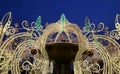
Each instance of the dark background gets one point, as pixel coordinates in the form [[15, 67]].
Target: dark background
[[51, 10]]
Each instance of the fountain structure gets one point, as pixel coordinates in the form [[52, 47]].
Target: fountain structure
[[60, 48]]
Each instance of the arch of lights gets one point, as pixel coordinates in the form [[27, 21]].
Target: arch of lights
[[16, 46]]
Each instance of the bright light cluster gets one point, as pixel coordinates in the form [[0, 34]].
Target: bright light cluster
[[18, 48]]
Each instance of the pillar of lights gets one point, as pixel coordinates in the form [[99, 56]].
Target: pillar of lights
[[23, 49]]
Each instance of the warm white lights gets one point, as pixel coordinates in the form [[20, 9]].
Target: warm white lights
[[25, 50]]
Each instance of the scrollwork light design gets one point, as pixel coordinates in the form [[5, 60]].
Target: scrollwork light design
[[25, 51]]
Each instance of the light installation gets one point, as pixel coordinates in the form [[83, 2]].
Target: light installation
[[23, 49]]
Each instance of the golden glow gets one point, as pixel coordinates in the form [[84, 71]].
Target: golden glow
[[11, 56]]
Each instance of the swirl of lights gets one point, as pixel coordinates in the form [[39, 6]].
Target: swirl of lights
[[116, 33], [33, 44]]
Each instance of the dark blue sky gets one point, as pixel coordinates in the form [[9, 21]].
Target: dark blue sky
[[51, 10]]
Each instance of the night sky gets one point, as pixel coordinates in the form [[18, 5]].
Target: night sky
[[51, 10]]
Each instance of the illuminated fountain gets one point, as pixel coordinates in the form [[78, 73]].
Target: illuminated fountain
[[60, 48]]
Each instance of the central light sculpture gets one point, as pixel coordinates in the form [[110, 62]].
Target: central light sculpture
[[25, 50]]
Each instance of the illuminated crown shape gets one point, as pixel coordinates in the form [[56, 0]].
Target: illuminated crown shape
[[19, 43]]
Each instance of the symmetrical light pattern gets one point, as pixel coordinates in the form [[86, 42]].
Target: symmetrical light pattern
[[25, 50]]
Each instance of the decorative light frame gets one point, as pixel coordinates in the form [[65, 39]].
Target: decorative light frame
[[35, 37]]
